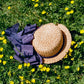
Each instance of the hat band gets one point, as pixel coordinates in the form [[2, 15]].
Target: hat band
[[58, 52]]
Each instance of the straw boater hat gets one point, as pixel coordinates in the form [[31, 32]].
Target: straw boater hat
[[52, 42]]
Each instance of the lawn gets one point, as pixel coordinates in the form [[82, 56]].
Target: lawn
[[70, 70]]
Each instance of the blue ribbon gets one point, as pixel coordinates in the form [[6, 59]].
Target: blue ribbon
[[21, 42]]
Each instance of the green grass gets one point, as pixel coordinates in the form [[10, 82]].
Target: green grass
[[24, 12]]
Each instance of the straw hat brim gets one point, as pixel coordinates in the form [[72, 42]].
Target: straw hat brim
[[65, 48]]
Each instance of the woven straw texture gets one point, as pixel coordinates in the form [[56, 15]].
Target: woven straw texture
[[48, 40]]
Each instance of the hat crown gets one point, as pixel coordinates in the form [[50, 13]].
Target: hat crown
[[48, 40]]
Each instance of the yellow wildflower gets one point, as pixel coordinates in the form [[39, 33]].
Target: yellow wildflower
[[40, 66], [78, 68], [4, 62], [81, 42], [67, 67], [21, 82], [37, 0], [33, 0], [11, 57], [41, 69], [28, 64], [20, 66], [1, 49], [43, 12], [9, 7], [72, 59], [72, 2], [40, 20], [33, 80], [47, 81], [11, 82], [36, 5], [82, 31], [44, 68], [2, 38], [33, 70], [73, 42], [21, 77], [76, 46], [9, 73], [27, 81], [66, 56], [4, 41], [1, 55], [58, 77], [70, 50], [3, 32], [47, 69], [50, 4], [66, 8], [72, 11], [68, 13], [25, 64], [69, 53], [0, 61]]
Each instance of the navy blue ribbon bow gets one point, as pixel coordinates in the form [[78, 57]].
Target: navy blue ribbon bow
[[22, 46]]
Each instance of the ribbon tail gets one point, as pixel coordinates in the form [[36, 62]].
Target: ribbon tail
[[18, 58]]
